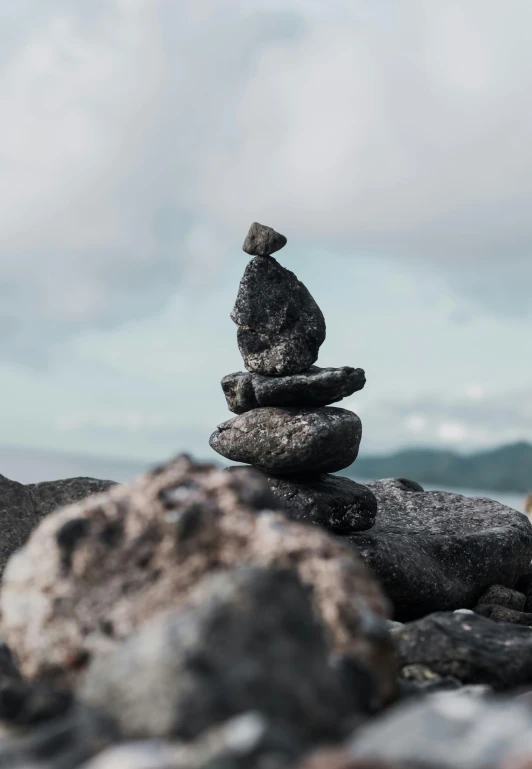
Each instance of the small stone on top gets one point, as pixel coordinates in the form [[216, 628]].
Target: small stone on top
[[262, 240]]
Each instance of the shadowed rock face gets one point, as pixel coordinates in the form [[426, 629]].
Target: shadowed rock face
[[262, 240], [434, 550], [316, 387], [23, 506], [251, 642], [280, 326], [291, 440], [93, 572]]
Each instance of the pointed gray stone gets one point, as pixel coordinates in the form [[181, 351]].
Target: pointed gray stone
[[263, 241], [280, 326]]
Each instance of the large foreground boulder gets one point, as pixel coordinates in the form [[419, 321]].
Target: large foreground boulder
[[22, 506], [94, 572], [250, 641], [434, 550]]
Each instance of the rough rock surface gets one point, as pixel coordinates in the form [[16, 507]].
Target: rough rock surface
[[503, 596], [316, 387], [337, 503], [471, 648], [435, 550], [263, 241], [251, 642], [502, 614], [289, 440], [22, 506], [280, 326], [446, 731], [94, 572]]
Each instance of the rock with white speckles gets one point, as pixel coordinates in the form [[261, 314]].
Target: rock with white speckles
[[290, 440]]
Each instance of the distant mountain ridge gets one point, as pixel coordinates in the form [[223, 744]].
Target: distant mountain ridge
[[506, 468]]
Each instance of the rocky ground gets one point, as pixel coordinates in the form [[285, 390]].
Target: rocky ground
[[267, 617]]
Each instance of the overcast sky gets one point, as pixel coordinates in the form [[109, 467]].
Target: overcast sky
[[389, 140]]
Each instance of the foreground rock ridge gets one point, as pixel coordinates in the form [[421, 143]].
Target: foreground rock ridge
[[277, 616], [285, 425]]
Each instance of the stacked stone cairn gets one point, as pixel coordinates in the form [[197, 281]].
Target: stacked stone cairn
[[286, 427]]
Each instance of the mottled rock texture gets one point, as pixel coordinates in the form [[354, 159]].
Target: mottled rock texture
[[503, 596], [471, 648], [502, 614], [263, 241], [289, 440], [94, 572], [316, 387], [449, 730], [251, 642], [338, 504], [22, 506], [280, 326], [434, 550]]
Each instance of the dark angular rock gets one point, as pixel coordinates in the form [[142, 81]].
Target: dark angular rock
[[290, 440], [499, 595], [502, 614], [280, 326], [471, 648], [22, 507], [446, 731], [336, 503], [263, 241], [251, 642], [315, 387], [435, 550]]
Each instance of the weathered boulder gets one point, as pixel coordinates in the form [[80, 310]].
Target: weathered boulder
[[445, 731], [499, 595], [471, 648], [94, 572], [434, 550], [316, 387], [502, 614], [250, 642], [263, 241], [290, 440], [22, 507], [336, 503], [280, 326]]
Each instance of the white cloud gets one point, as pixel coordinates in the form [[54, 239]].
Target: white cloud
[[474, 391], [451, 432], [415, 423]]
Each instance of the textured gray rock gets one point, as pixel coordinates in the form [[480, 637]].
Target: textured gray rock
[[336, 503], [290, 440], [471, 648], [280, 326], [92, 573], [263, 241], [499, 595], [316, 387], [447, 730], [251, 642], [22, 507], [502, 614], [434, 550]]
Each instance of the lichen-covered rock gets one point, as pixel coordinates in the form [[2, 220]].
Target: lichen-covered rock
[[251, 641], [316, 387], [434, 550], [22, 507], [336, 503], [471, 648], [94, 572], [263, 241], [280, 326], [291, 440]]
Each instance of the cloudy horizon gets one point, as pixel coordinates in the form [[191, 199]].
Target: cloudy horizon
[[140, 138]]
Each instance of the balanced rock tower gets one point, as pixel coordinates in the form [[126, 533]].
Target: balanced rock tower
[[285, 426]]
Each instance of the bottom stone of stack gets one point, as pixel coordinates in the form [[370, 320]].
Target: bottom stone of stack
[[336, 503]]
